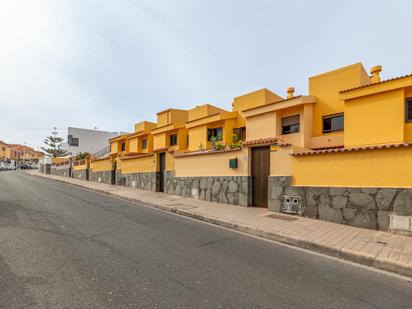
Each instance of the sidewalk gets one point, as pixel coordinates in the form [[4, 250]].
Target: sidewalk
[[378, 249]]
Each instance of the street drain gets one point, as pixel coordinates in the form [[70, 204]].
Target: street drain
[[282, 217]]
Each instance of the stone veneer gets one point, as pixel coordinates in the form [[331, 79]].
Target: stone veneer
[[148, 181], [362, 207], [105, 176], [81, 174], [61, 171], [234, 190]]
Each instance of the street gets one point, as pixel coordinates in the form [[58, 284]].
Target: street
[[66, 247]]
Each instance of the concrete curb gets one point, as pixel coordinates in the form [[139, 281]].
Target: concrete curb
[[352, 256]]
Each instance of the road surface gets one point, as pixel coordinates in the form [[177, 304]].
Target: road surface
[[66, 247]]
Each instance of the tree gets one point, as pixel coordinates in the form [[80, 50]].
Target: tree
[[54, 143], [81, 156]]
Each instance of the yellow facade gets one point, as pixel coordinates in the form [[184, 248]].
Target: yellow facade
[[143, 163], [119, 143], [207, 117], [325, 87], [141, 141], [5, 151], [80, 167], [169, 123], [59, 160], [375, 119], [199, 165], [374, 168], [266, 121], [254, 99], [101, 165], [373, 114]]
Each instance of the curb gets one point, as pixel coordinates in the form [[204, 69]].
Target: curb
[[378, 263]]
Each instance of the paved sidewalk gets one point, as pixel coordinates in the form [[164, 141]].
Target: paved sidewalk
[[378, 249]]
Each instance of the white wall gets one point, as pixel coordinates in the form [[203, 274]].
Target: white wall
[[90, 141]]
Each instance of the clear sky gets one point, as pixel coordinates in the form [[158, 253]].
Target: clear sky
[[111, 63]]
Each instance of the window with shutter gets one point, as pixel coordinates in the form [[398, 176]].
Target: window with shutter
[[291, 124]]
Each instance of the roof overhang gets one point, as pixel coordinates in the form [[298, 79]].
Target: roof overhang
[[138, 134], [388, 85], [169, 127], [210, 119], [118, 138], [136, 156], [273, 107]]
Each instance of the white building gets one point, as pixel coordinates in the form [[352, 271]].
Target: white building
[[86, 140]]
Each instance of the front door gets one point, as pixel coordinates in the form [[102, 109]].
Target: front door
[[260, 175], [162, 166]]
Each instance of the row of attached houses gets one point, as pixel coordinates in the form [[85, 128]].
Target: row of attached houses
[[341, 153], [15, 154]]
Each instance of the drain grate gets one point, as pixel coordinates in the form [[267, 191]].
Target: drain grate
[[282, 217]]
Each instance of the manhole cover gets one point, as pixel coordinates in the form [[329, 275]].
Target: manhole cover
[[282, 217]]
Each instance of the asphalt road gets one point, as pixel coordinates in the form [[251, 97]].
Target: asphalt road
[[65, 247]]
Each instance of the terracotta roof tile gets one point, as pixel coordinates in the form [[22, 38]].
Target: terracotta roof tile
[[265, 141], [205, 152], [327, 147], [136, 156], [359, 148], [372, 84]]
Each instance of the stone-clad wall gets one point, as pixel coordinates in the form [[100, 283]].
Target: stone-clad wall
[[145, 181], [234, 190], [61, 171], [105, 176], [362, 207], [81, 174]]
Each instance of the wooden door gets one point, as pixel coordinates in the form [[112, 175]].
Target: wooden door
[[260, 175], [162, 167]]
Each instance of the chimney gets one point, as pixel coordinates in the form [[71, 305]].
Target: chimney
[[291, 91], [375, 78]]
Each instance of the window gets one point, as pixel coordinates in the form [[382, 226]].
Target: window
[[72, 141], [332, 123], [241, 133], [173, 140], [3, 148], [216, 132], [144, 144], [291, 124], [123, 146], [409, 109]]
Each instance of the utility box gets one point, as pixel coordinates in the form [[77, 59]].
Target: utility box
[[195, 193], [292, 205], [233, 163], [400, 224]]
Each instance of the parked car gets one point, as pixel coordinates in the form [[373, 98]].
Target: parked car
[[7, 167]]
